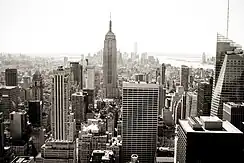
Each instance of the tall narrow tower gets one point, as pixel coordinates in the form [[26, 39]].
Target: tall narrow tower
[[60, 104], [37, 86], [110, 64]]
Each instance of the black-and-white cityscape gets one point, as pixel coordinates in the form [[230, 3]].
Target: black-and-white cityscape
[[115, 105]]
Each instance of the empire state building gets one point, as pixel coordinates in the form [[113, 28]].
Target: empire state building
[[110, 64]]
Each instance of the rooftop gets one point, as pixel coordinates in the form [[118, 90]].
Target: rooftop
[[23, 159], [233, 104], [208, 124], [139, 85], [7, 87]]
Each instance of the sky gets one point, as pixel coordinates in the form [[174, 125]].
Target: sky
[[79, 26]]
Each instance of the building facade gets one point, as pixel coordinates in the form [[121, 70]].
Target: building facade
[[11, 77], [230, 84], [204, 97], [60, 104], [208, 139], [184, 76], [37, 86], [110, 65], [139, 120], [234, 113]]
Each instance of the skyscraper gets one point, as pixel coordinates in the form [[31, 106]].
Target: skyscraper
[[37, 86], [184, 76], [11, 78], [78, 107], [140, 120], [208, 139], [162, 74], [76, 70], [204, 96], [110, 64], [234, 113], [35, 113], [90, 83], [223, 45], [60, 104], [230, 84]]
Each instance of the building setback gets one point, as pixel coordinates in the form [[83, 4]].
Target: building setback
[[110, 65]]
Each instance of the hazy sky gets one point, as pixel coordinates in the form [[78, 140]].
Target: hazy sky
[[79, 26]]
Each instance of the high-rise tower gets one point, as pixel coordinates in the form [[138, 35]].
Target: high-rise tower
[[140, 120], [110, 64], [184, 76], [60, 104], [37, 86], [229, 86]]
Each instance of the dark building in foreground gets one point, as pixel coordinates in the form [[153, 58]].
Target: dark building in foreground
[[234, 113], [11, 78], [207, 139]]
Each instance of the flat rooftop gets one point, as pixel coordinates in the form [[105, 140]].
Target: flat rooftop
[[227, 127], [23, 159], [7, 87], [233, 104], [139, 85]]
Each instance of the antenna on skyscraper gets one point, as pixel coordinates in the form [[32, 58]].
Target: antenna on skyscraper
[[227, 30]]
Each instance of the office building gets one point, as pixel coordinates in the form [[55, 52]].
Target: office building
[[60, 104], [78, 107], [110, 65], [234, 113], [66, 61], [162, 97], [11, 77], [204, 59], [58, 151], [139, 120], [76, 70], [184, 76], [90, 81], [91, 138], [139, 77], [230, 84], [26, 81], [223, 45], [162, 74], [191, 104], [18, 123], [37, 86], [208, 139], [9, 96], [37, 137], [106, 156], [35, 113], [204, 97]]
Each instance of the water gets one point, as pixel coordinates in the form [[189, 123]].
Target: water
[[178, 61]]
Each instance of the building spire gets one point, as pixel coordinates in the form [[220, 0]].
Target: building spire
[[110, 24]]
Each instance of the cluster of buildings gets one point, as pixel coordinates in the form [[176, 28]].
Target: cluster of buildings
[[137, 111]]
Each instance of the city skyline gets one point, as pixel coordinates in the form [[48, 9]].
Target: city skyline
[[59, 27]]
